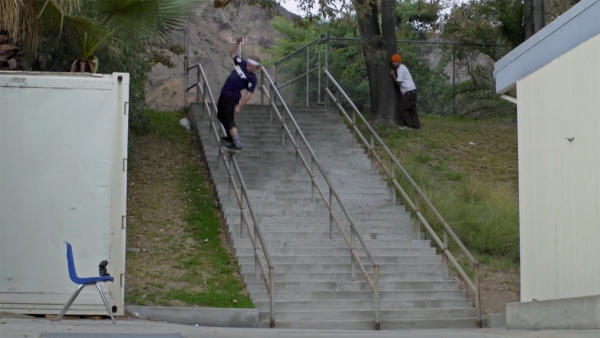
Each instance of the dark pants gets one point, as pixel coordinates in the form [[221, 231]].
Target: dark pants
[[408, 110], [225, 109]]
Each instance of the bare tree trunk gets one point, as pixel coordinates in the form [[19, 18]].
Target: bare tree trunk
[[539, 15], [528, 18], [535, 18], [391, 94], [377, 50]]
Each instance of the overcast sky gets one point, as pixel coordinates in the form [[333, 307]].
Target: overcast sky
[[290, 5]]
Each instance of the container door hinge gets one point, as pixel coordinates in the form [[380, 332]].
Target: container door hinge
[[122, 279], [123, 222], [125, 164], [126, 108]]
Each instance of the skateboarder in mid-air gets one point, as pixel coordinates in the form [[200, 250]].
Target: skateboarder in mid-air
[[231, 100]]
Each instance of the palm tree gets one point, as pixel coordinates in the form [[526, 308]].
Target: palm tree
[[97, 23], [126, 20], [21, 25]]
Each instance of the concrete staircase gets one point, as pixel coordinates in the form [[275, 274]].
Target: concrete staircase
[[313, 285]]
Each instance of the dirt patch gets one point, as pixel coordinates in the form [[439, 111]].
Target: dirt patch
[[498, 289]]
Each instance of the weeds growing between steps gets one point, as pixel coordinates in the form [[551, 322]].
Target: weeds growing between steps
[[175, 255]]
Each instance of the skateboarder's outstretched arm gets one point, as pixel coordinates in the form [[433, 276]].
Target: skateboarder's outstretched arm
[[235, 47]]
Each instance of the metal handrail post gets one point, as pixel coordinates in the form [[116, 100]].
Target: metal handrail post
[[372, 155], [186, 72], [417, 210], [331, 216], [231, 181], [297, 151], [319, 75], [444, 258], [477, 292], [198, 85], [256, 261], [241, 213], [454, 79], [393, 172], [377, 305], [352, 265], [204, 104], [272, 92], [307, 73], [312, 180], [262, 94], [272, 296], [353, 129], [327, 67]]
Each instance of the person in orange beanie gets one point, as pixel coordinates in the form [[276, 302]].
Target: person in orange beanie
[[408, 110]]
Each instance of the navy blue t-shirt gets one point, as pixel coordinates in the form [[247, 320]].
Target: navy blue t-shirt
[[238, 80]]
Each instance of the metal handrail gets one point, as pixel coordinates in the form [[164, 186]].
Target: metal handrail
[[298, 50], [273, 94], [231, 165], [391, 173]]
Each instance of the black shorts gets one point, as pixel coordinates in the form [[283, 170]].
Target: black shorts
[[225, 109]]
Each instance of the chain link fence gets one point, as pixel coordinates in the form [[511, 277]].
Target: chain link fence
[[166, 83], [440, 70]]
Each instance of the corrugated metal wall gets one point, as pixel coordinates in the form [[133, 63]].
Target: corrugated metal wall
[[559, 179]]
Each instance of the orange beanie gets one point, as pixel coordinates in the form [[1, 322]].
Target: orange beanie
[[396, 58]]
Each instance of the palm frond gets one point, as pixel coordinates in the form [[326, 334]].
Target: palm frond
[[478, 98], [143, 18]]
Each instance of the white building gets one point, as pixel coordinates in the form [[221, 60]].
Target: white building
[[554, 78]]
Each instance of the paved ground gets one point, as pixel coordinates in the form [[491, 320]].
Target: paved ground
[[34, 328]]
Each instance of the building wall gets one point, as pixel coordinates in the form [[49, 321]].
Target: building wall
[[559, 180]]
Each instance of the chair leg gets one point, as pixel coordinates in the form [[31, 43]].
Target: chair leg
[[105, 303], [70, 301]]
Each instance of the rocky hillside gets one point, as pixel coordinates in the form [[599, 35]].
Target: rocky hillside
[[210, 33]]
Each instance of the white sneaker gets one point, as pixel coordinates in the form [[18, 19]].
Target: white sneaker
[[406, 128]]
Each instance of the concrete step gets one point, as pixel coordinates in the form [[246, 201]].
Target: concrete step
[[347, 276], [268, 235], [392, 314], [388, 298], [338, 251], [335, 243], [364, 304], [316, 209], [350, 203], [372, 216], [261, 186], [279, 260], [358, 285], [455, 323], [338, 268]]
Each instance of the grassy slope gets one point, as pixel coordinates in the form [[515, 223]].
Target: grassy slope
[[468, 169], [173, 222]]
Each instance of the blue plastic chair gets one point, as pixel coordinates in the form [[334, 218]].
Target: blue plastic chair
[[83, 282]]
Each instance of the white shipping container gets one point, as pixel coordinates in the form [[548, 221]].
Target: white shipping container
[[63, 162]]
